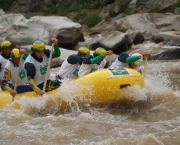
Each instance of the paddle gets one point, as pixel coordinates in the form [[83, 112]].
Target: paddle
[[109, 60], [15, 85], [145, 67], [48, 67], [47, 72]]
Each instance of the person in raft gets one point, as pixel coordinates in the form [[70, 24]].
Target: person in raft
[[90, 63], [103, 63], [6, 47], [36, 66], [14, 72], [70, 67], [125, 60]]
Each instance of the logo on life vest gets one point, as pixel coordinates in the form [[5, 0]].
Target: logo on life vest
[[76, 72], [43, 70], [22, 74]]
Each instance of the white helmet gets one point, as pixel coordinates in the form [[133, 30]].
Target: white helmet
[[138, 62]]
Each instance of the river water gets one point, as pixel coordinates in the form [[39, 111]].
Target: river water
[[151, 118]]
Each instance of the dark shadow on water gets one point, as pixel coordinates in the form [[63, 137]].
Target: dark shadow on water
[[132, 108]]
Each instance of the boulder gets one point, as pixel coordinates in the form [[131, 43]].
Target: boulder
[[62, 28], [171, 38], [1, 12], [118, 41], [165, 53], [148, 23], [134, 37], [6, 25], [21, 31], [114, 40]]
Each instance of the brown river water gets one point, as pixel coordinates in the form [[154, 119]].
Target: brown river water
[[151, 118]]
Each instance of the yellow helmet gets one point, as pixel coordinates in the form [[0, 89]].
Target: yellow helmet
[[6, 44], [99, 51], [15, 53], [38, 46], [83, 50], [138, 62]]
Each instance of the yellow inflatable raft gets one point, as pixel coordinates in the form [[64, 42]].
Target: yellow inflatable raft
[[103, 86]]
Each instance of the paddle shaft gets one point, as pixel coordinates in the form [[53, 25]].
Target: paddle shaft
[[48, 68], [47, 74], [15, 85], [109, 60], [145, 67]]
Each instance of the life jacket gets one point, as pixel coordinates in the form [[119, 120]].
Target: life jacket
[[40, 67]]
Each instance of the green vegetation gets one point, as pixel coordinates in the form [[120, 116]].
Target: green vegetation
[[81, 8], [66, 4], [65, 12], [29, 16], [128, 11], [92, 19], [140, 2], [155, 8], [82, 5], [6, 4], [80, 17], [176, 5], [95, 5], [53, 9], [112, 12], [123, 4]]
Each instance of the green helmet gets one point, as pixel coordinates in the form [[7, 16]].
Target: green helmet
[[99, 51], [6, 44], [15, 53], [38, 46], [83, 50]]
